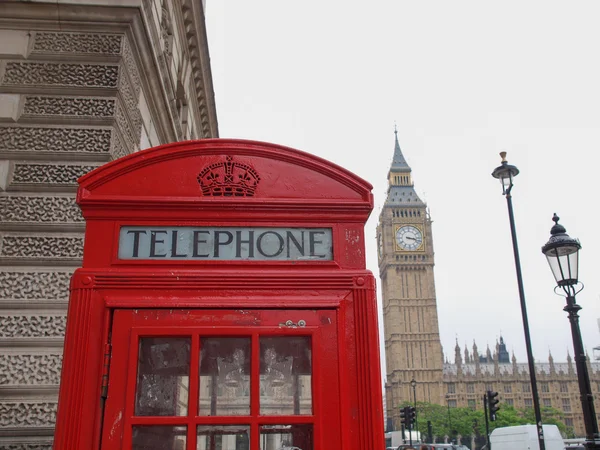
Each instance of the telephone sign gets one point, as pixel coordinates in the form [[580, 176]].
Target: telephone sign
[[225, 243]]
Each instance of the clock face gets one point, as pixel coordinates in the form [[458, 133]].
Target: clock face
[[409, 238]]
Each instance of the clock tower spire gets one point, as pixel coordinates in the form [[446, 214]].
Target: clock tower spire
[[406, 259], [400, 183]]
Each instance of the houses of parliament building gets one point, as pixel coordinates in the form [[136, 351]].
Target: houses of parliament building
[[412, 342]]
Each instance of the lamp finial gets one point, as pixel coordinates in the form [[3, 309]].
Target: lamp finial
[[503, 156]]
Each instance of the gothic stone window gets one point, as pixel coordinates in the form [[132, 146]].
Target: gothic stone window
[[569, 422], [547, 403], [507, 388], [545, 387], [526, 387], [489, 387], [471, 404], [510, 402], [471, 388], [451, 388], [452, 403], [528, 403], [564, 386], [566, 405]]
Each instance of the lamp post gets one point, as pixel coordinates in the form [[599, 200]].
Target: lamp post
[[413, 383], [505, 173], [562, 253], [449, 422]]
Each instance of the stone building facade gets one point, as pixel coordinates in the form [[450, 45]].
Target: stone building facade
[[82, 82], [472, 374], [412, 343]]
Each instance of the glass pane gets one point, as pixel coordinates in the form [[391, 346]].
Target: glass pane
[[163, 377], [285, 375], [230, 437], [224, 376], [158, 438], [286, 437]]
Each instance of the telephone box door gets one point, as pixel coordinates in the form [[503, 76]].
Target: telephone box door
[[223, 380]]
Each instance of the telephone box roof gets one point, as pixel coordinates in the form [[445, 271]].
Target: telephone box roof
[[184, 174]]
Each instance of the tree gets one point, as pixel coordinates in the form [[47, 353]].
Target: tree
[[466, 421], [550, 416], [446, 421]]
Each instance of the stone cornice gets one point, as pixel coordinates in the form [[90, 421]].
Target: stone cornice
[[140, 45], [55, 16], [195, 29]]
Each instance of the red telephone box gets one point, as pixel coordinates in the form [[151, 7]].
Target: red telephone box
[[223, 303]]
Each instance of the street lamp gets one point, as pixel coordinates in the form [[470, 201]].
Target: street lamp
[[413, 383], [449, 422], [562, 253], [505, 173]]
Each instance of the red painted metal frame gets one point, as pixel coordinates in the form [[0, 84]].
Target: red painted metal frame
[[125, 363], [158, 187]]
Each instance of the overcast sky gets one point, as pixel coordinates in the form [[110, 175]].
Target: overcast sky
[[463, 80]]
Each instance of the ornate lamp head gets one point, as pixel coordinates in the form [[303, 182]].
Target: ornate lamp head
[[562, 252], [505, 173]]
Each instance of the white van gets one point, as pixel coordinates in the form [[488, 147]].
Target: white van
[[524, 437]]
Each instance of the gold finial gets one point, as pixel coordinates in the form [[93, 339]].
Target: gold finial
[[503, 156]]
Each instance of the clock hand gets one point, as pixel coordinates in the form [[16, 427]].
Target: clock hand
[[411, 238]]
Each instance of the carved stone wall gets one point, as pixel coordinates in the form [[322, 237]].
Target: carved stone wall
[[41, 247], [76, 88], [26, 446], [70, 106], [42, 369], [36, 209], [55, 140], [27, 414], [72, 43], [34, 285], [38, 326], [57, 174], [60, 74]]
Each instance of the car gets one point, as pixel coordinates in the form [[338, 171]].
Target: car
[[429, 447]]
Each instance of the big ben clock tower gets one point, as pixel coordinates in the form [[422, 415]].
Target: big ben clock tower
[[405, 248]]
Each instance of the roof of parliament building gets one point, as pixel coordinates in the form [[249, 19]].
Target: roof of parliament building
[[475, 364]]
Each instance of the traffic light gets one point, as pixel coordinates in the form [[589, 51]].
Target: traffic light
[[412, 415], [404, 416], [493, 407], [407, 416]]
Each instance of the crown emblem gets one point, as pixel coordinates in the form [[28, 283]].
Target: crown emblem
[[228, 179]]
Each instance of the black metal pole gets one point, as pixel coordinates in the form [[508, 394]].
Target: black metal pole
[[592, 438], [449, 421], [430, 431], [415, 402], [487, 423], [392, 408], [530, 360]]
